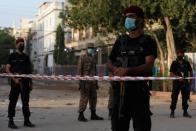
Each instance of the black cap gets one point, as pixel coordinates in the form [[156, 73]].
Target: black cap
[[180, 51], [134, 9]]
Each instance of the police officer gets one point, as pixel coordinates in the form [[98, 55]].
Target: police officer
[[133, 54], [88, 89], [180, 68], [19, 62]]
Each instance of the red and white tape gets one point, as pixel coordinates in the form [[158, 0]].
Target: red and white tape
[[90, 78]]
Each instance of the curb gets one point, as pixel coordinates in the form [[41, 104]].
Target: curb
[[167, 95]]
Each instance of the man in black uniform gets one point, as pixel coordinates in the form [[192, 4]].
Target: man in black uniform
[[18, 62], [180, 68], [133, 54]]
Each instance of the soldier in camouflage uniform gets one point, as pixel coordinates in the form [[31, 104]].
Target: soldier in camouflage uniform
[[87, 66]]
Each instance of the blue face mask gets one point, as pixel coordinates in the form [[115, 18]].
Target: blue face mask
[[90, 51], [130, 24]]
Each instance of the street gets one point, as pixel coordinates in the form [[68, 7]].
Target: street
[[54, 108]]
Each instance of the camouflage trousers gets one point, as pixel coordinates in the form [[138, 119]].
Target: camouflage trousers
[[88, 93]]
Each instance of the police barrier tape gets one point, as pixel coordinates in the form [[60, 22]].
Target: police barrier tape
[[90, 78]]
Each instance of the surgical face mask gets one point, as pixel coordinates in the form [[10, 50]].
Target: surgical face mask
[[21, 48], [130, 24], [90, 51], [180, 57]]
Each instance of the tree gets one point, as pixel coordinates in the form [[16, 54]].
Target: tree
[[59, 54], [106, 15], [174, 18], [6, 44], [99, 14], [177, 17], [71, 58]]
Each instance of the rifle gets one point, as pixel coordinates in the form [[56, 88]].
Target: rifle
[[124, 63], [181, 74]]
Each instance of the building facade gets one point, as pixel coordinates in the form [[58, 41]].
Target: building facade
[[43, 34]]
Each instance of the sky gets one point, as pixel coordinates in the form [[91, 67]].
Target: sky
[[11, 11]]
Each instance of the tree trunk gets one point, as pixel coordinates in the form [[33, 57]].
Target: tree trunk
[[161, 59], [170, 42]]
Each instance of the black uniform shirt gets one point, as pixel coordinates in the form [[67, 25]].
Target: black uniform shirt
[[136, 48], [181, 69], [20, 63]]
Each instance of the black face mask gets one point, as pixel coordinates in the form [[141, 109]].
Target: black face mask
[[180, 57], [21, 48]]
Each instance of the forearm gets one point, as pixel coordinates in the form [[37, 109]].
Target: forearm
[[139, 70], [110, 67], [7, 69], [143, 69], [191, 75], [172, 74], [80, 71]]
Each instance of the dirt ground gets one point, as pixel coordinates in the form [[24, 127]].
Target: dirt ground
[[54, 107]]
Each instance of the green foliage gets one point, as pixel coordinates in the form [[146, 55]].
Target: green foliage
[[71, 58], [107, 15], [6, 43], [59, 54], [182, 15], [99, 14]]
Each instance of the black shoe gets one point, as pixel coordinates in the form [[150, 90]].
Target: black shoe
[[96, 117], [81, 117], [172, 114], [186, 114], [12, 125], [28, 124]]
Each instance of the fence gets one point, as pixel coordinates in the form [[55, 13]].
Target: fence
[[71, 70]]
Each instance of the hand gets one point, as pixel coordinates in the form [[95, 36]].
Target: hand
[[181, 80], [30, 86], [120, 71], [17, 80], [97, 86]]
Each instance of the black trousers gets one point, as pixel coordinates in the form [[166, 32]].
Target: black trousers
[[185, 92], [135, 107], [24, 90]]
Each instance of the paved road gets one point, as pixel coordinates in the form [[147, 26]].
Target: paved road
[[56, 110]]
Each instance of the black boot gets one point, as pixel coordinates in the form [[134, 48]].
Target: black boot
[[94, 116], [172, 114], [11, 124], [81, 117], [186, 114], [28, 123]]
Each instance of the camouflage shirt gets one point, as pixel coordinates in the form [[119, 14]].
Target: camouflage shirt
[[87, 65]]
